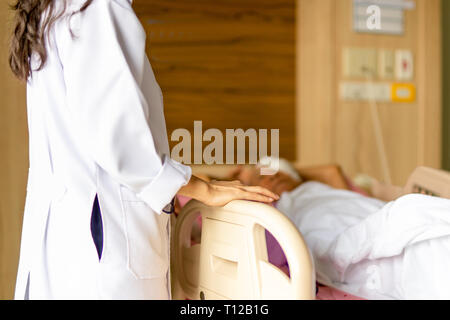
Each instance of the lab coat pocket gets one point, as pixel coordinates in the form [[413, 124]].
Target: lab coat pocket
[[147, 241]]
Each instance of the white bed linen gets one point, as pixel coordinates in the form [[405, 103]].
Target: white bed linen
[[373, 249]]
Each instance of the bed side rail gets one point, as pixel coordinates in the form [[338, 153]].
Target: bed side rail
[[231, 261], [429, 181]]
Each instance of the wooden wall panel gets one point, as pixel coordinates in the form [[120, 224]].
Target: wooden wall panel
[[229, 63], [13, 162], [343, 132], [355, 139], [316, 51], [430, 83], [446, 84]]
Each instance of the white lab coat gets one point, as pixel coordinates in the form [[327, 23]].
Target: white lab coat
[[97, 127]]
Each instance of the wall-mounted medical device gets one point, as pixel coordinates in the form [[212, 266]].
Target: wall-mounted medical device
[[378, 92], [382, 64], [381, 75]]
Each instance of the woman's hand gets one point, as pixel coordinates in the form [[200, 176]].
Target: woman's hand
[[222, 192], [219, 193]]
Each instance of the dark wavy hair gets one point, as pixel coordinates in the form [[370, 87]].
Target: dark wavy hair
[[30, 32]]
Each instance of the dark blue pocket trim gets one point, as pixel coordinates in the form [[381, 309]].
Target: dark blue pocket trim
[[97, 227]]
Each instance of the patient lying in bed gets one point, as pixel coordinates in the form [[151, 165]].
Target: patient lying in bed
[[364, 246]]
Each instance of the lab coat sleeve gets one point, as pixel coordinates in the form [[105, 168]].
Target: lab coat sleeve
[[103, 59]]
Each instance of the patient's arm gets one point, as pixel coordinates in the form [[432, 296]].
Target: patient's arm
[[219, 193], [278, 183]]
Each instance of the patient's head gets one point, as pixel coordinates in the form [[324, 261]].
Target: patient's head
[[284, 180]]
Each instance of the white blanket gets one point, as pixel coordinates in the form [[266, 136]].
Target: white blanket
[[373, 249]]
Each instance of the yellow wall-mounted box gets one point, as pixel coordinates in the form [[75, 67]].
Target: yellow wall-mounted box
[[403, 92]]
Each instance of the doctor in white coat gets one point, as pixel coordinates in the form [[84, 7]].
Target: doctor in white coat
[[100, 178]]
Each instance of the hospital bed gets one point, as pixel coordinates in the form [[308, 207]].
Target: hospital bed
[[231, 261]]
